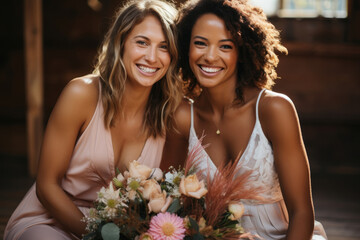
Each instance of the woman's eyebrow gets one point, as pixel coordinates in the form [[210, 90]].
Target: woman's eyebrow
[[200, 37], [227, 40], [147, 39], [142, 36], [222, 40]]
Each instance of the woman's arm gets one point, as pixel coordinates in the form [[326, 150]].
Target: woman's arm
[[176, 144], [68, 119], [281, 125]]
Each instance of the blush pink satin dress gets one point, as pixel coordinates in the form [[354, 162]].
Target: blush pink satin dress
[[91, 167]]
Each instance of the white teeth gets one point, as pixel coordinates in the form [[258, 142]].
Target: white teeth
[[210, 69], [147, 69]]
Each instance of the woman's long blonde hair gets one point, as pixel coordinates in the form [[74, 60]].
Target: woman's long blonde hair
[[165, 94]]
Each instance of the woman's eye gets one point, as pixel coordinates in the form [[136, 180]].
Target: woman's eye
[[164, 47], [226, 47], [199, 43], [140, 42]]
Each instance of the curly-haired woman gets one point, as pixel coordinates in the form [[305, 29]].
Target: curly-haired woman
[[228, 55]]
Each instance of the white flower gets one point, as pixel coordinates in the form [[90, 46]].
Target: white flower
[[112, 200], [174, 177], [169, 177], [133, 185], [108, 193], [119, 180], [109, 212], [175, 192], [92, 220], [157, 174], [120, 177]]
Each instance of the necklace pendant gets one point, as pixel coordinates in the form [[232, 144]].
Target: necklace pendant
[[218, 132]]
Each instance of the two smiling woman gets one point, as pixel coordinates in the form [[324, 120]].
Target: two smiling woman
[[126, 108]]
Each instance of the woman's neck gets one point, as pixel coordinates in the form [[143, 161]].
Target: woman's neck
[[134, 102], [218, 99]]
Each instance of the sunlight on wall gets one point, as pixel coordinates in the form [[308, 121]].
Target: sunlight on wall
[[270, 7], [303, 8]]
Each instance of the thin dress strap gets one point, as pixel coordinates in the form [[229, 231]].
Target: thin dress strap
[[257, 104], [100, 92], [192, 113]]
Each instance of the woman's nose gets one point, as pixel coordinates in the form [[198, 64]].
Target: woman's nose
[[211, 54], [151, 54]]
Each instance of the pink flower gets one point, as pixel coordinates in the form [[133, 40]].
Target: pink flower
[[167, 226]]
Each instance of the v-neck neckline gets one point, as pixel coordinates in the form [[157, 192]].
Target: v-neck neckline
[[257, 121], [112, 152], [242, 155]]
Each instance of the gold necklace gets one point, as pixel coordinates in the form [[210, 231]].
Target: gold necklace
[[218, 132]]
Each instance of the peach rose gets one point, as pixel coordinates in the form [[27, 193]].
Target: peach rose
[[137, 170], [159, 202], [191, 186], [236, 209], [150, 186]]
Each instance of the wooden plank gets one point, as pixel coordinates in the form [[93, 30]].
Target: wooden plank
[[34, 80]]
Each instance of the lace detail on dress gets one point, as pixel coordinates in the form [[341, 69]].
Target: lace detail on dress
[[258, 158]]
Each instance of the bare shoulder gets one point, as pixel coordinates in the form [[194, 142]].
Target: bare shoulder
[[182, 116], [78, 100], [277, 113], [85, 88], [274, 103]]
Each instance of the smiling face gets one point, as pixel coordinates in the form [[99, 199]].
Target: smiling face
[[213, 53], [146, 57]]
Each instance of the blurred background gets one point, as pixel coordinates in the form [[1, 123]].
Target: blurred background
[[45, 44]]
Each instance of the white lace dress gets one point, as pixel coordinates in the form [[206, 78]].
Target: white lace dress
[[269, 217]]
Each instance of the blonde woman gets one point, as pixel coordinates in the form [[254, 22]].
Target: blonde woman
[[103, 121]]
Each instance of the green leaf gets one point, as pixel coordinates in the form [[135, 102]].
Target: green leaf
[[110, 232], [174, 206], [194, 224]]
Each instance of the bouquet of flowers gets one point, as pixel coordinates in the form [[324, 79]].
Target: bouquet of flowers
[[144, 203]]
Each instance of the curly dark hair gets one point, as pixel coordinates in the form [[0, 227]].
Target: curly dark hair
[[256, 38]]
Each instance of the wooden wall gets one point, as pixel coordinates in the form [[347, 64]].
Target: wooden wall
[[321, 74]]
